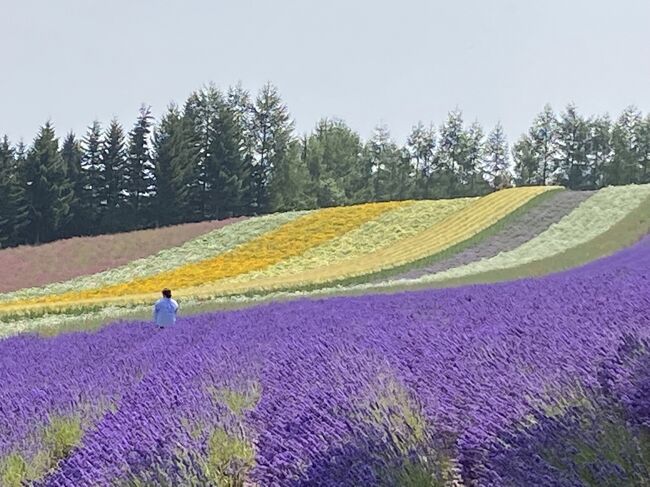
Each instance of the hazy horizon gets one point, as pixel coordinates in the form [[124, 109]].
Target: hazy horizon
[[366, 63]]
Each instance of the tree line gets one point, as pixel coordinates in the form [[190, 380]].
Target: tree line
[[228, 153]]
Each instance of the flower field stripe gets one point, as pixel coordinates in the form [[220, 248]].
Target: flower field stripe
[[624, 233], [593, 217], [516, 229], [384, 231], [459, 226], [290, 239], [208, 245]]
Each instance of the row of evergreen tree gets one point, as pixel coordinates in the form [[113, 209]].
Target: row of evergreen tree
[[226, 154]]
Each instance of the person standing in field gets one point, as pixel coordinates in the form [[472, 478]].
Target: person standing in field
[[165, 309]]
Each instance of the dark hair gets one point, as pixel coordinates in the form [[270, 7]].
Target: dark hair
[[167, 293]]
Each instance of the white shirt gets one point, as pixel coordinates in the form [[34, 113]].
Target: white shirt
[[164, 312]]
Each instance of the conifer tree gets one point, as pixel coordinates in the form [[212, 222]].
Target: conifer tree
[[390, 166], [451, 155], [421, 148], [93, 178], [13, 209], [48, 192], [230, 172], [243, 111], [72, 154], [599, 150], [544, 137], [114, 162], [496, 162], [643, 150], [624, 167], [573, 141], [275, 157], [139, 170], [470, 164]]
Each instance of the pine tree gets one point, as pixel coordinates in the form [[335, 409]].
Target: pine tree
[[544, 135], [573, 142], [48, 191], [72, 155], [91, 201], [496, 161], [421, 148], [139, 171], [624, 166], [113, 158]]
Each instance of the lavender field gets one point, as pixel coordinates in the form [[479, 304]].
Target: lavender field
[[533, 382]]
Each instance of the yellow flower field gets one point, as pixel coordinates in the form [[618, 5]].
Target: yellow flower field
[[289, 240], [459, 226], [385, 230]]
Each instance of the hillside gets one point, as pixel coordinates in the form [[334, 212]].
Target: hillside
[[365, 248]]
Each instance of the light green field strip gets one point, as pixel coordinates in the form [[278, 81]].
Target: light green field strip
[[384, 231], [592, 218], [201, 248]]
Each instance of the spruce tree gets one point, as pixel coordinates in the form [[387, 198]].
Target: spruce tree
[[139, 177], [72, 155], [243, 111], [13, 209], [275, 159], [48, 191], [167, 203], [92, 201], [113, 158], [496, 161], [191, 149], [230, 172]]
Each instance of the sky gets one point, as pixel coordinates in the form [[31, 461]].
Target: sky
[[367, 62]]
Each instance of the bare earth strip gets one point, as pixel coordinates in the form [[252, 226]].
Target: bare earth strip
[[520, 230], [31, 266]]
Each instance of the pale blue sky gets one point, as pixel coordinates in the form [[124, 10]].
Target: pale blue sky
[[365, 61]]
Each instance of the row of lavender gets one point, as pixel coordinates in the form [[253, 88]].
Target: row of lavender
[[534, 382]]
